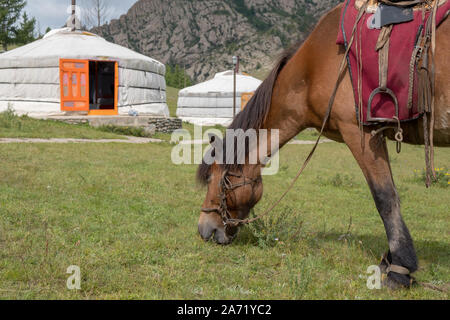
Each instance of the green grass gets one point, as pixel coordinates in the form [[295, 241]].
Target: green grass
[[172, 100], [309, 135], [128, 217], [126, 131], [261, 73], [12, 126], [190, 128], [11, 47]]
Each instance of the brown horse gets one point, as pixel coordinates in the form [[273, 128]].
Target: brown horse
[[294, 97]]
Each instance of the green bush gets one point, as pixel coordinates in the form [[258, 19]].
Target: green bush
[[241, 7], [126, 131], [442, 177], [222, 13], [278, 227], [9, 120]]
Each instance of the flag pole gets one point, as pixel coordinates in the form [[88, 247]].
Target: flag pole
[[73, 15]]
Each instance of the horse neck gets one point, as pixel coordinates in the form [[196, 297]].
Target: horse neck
[[289, 108]]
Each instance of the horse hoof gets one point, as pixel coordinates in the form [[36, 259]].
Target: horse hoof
[[396, 281]]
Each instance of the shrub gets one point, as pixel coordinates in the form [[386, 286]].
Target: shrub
[[127, 131], [276, 228], [442, 177], [9, 120]]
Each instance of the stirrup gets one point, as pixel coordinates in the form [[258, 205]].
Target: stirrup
[[392, 95], [395, 119]]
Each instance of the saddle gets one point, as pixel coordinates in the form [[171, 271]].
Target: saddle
[[391, 61]]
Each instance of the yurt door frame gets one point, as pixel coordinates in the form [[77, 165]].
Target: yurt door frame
[[74, 83], [95, 64]]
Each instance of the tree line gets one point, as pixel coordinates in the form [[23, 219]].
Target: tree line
[[16, 27], [177, 77]]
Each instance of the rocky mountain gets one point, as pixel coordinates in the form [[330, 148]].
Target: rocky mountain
[[203, 35]]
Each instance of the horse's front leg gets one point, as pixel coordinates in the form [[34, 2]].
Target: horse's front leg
[[373, 158]]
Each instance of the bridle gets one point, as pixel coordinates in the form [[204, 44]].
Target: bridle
[[226, 187]]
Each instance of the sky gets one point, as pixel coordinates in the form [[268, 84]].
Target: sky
[[54, 13]]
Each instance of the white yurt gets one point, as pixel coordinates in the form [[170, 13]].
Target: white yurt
[[211, 102], [77, 72]]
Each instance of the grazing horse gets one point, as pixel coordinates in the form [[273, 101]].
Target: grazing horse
[[295, 97]]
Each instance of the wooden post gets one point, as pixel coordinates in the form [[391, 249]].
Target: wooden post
[[235, 70], [234, 92]]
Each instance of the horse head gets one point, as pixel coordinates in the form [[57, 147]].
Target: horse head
[[232, 191]]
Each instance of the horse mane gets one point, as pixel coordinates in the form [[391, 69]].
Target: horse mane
[[255, 113]]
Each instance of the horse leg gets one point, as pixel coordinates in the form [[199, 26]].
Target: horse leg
[[373, 158]]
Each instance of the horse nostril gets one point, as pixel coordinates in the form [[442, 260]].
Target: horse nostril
[[205, 231], [221, 238]]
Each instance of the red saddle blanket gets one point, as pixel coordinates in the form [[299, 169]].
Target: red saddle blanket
[[402, 42]]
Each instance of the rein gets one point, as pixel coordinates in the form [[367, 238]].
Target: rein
[[225, 184]]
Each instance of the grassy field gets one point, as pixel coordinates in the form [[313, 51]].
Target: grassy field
[[12, 126], [127, 217], [11, 47]]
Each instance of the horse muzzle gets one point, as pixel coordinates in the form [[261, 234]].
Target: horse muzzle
[[211, 228]]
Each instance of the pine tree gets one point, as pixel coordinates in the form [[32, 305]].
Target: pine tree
[[25, 33], [176, 77], [9, 15]]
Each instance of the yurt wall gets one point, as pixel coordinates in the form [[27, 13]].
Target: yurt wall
[[211, 102]]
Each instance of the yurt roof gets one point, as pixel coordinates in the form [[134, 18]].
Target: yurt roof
[[63, 43], [223, 82]]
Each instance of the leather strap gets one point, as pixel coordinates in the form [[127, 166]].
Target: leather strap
[[383, 55], [397, 269], [393, 267]]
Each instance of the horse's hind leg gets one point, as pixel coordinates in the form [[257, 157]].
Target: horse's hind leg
[[374, 161]]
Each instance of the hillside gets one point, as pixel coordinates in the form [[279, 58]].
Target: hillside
[[203, 35]]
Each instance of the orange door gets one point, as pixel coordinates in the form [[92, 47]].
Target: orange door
[[245, 98], [74, 83]]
